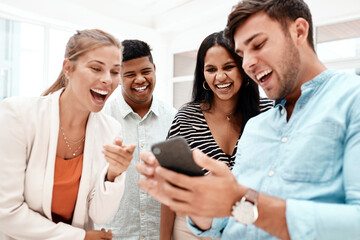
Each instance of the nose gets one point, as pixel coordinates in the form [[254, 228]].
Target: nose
[[140, 79], [221, 76], [106, 78], [249, 61]]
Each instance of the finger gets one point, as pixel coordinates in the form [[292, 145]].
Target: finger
[[178, 179], [130, 148], [120, 156], [148, 158], [176, 193], [118, 141], [145, 170], [215, 167], [116, 164]]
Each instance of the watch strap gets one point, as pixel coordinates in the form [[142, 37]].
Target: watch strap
[[251, 196]]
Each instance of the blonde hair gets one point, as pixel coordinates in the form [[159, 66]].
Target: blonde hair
[[79, 44]]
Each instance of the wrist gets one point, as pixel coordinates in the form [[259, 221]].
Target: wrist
[[245, 211], [110, 176], [238, 195]]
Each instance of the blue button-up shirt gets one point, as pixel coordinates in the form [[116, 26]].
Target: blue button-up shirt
[[312, 161], [138, 216]]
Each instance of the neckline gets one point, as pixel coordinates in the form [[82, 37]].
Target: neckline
[[212, 136], [70, 159]]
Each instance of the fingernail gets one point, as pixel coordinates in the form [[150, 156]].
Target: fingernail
[[149, 169], [151, 159]]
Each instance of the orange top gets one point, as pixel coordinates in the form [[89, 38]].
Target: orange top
[[66, 186]]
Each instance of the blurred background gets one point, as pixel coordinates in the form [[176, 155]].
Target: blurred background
[[33, 35]]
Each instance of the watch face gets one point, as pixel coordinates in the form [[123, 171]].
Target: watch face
[[245, 212]]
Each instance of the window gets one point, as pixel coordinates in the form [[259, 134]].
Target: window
[[338, 46], [30, 57]]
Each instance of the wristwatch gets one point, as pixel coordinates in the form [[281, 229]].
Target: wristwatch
[[245, 211]]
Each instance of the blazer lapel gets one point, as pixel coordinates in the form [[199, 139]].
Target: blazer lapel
[[50, 165]]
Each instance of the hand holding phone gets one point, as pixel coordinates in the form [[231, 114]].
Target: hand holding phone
[[175, 154]]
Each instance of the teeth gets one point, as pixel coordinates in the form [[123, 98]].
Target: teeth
[[223, 85], [261, 75], [102, 92], [141, 88]]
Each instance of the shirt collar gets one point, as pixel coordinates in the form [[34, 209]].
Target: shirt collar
[[310, 85], [125, 108]]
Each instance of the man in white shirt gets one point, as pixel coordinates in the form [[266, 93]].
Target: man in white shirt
[[145, 120]]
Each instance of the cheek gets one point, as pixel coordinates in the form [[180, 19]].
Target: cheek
[[208, 77]]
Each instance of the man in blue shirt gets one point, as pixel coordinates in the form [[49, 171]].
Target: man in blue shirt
[[297, 164]]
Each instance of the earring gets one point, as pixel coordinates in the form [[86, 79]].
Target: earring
[[207, 89], [247, 83]]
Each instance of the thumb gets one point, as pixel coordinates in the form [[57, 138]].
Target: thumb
[[118, 141], [204, 161], [130, 148]]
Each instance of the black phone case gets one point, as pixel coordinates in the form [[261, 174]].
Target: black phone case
[[175, 154]]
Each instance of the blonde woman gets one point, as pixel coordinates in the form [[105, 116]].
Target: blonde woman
[[62, 162]]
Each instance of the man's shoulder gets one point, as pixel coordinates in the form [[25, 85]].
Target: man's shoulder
[[164, 107]]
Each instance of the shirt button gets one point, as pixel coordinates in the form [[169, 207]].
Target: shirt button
[[284, 139], [271, 173], [142, 145], [282, 111], [142, 237], [142, 213]]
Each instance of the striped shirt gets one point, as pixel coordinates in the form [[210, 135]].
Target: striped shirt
[[190, 123]]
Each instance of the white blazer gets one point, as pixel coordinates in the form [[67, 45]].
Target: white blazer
[[29, 129]]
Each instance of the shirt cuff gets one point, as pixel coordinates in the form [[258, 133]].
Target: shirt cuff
[[217, 227], [300, 219]]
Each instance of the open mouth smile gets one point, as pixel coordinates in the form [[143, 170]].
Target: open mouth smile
[[223, 86], [140, 89], [263, 76], [99, 95]]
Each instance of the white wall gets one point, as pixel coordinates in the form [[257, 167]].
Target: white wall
[[70, 17], [177, 30]]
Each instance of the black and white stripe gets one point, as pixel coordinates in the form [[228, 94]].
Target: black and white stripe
[[190, 123]]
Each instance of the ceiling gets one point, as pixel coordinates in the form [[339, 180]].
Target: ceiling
[[159, 15]]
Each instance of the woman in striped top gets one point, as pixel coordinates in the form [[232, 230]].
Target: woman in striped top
[[223, 100]]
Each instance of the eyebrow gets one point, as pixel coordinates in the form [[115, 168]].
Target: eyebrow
[[246, 42], [128, 72], [115, 65], [227, 63]]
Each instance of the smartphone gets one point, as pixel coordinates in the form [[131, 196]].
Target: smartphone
[[175, 154]]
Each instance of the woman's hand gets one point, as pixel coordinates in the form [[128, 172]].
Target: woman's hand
[[96, 234], [118, 157]]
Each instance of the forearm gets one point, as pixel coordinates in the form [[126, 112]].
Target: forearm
[[106, 192], [166, 222], [272, 216]]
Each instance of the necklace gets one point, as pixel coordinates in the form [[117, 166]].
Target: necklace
[[69, 142], [228, 115]]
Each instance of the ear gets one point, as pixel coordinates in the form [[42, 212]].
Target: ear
[[154, 68], [301, 30], [67, 65]]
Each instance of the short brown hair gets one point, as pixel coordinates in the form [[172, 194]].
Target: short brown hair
[[282, 11], [79, 44]]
